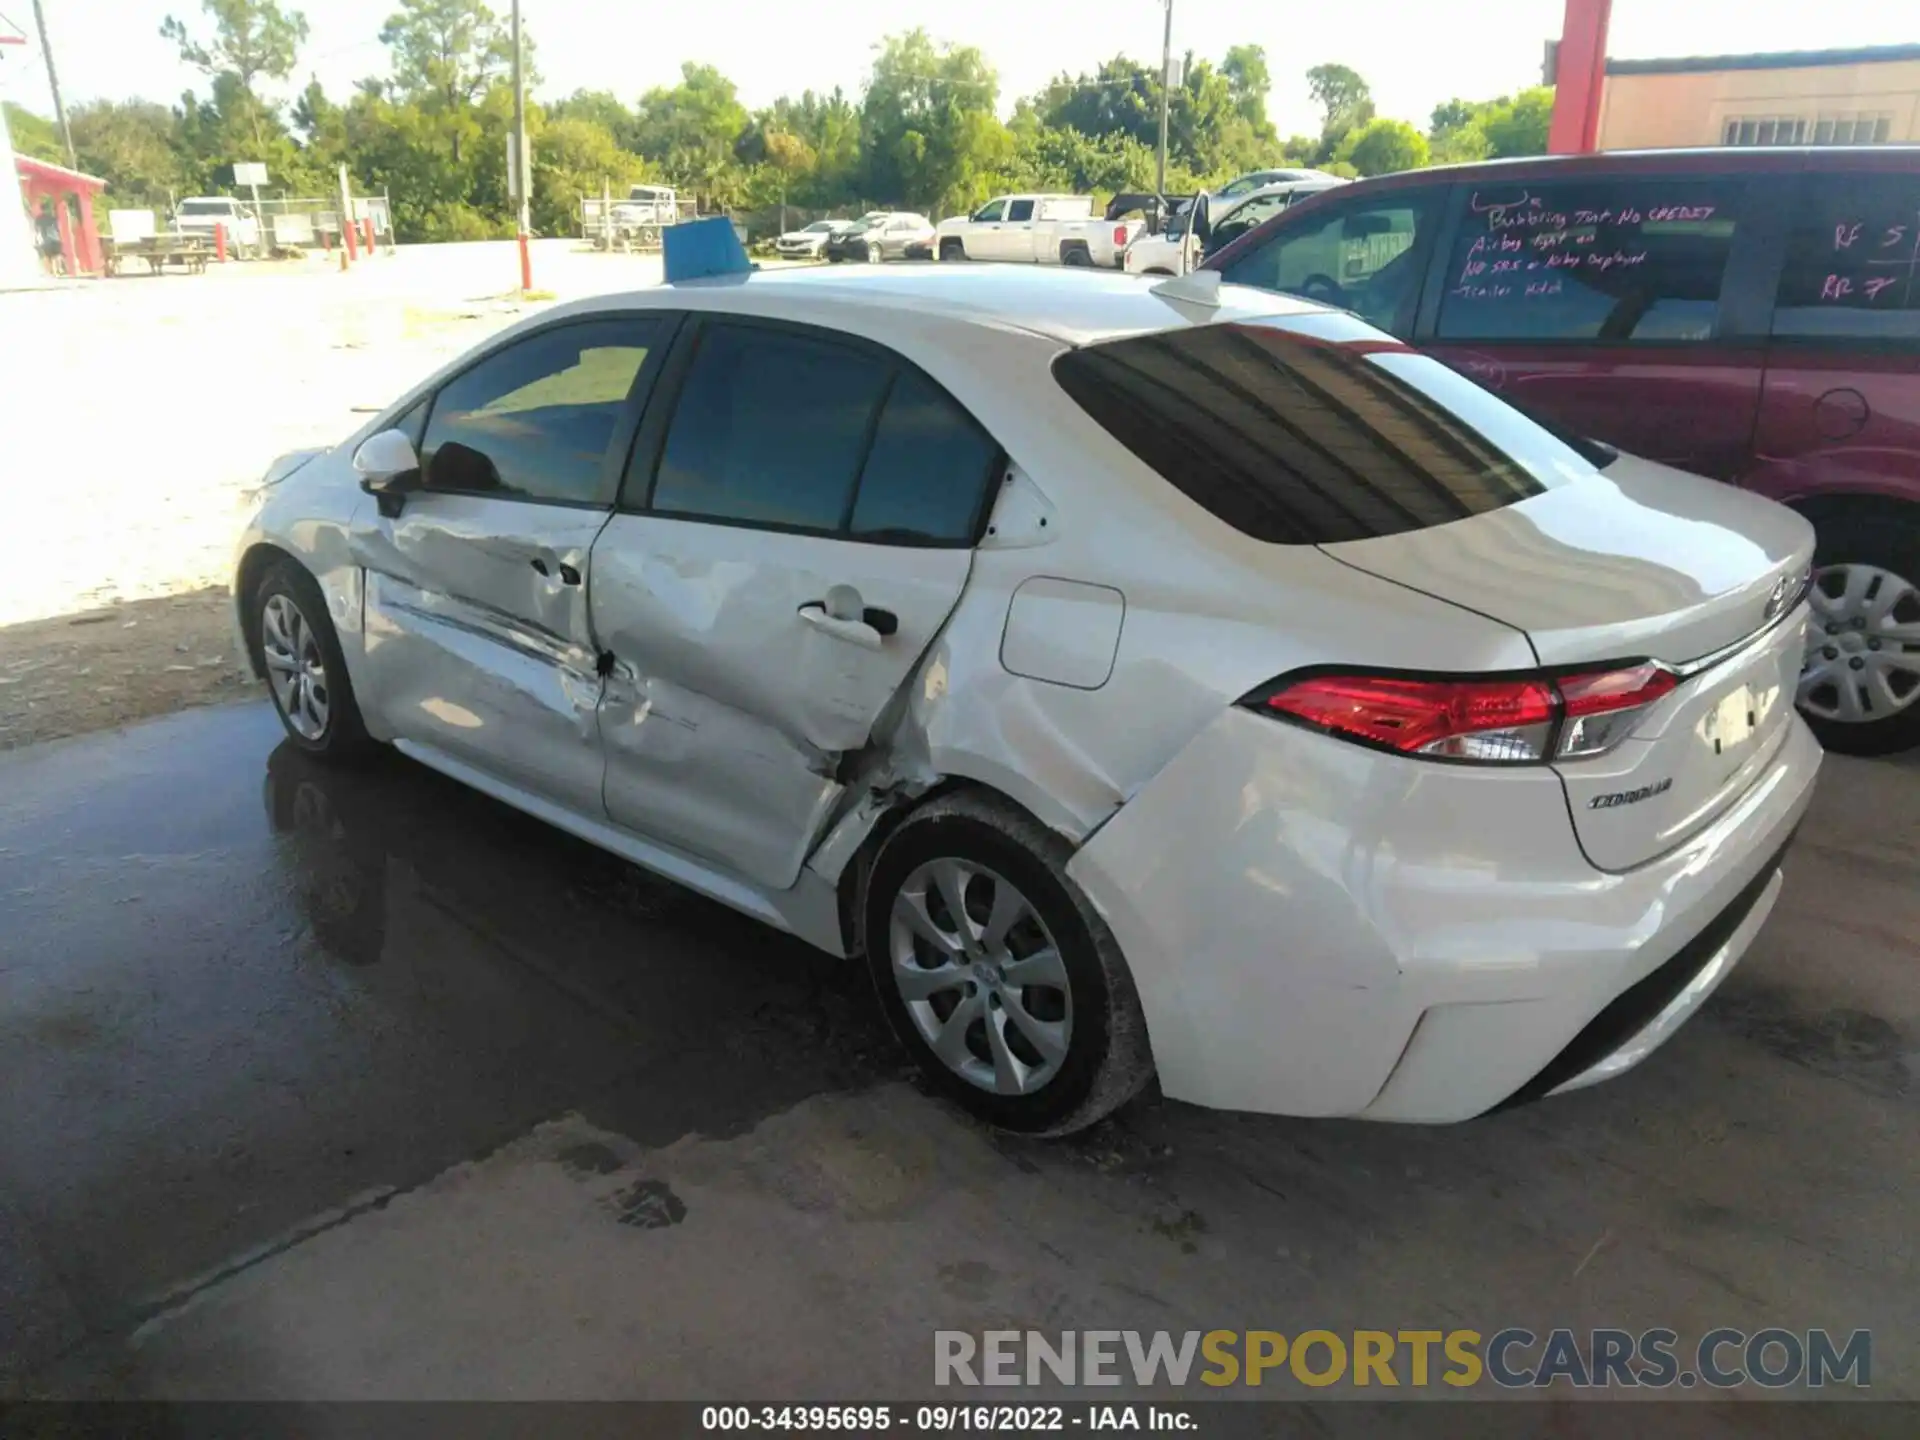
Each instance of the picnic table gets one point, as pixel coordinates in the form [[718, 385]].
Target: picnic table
[[190, 252]]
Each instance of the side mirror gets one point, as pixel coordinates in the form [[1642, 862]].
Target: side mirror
[[388, 468]]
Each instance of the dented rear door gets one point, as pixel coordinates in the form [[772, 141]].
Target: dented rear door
[[796, 527]]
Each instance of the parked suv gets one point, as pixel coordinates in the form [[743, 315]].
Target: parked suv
[[1753, 315]]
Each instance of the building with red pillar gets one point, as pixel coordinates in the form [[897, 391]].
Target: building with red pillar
[[41, 181]]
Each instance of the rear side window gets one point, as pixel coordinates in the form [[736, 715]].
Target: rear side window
[[1295, 440], [788, 430], [1609, 261], [1020, 210], [927, 472], [1853, 260], [770, 429]]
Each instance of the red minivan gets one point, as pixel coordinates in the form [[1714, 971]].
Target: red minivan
[[1753, 315]]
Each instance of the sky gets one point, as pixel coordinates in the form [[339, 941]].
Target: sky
[[1414, 53]]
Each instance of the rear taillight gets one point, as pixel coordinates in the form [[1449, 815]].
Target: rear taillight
[[1120, 236], [1602, 708], [1505, 721]]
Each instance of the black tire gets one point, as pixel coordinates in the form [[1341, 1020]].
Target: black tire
[[343, 737], [1107, 1059], [1077, 256], [953, 248], [1886, 537]]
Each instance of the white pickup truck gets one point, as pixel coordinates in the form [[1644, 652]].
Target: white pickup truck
[[199, 214], [1036, 229]]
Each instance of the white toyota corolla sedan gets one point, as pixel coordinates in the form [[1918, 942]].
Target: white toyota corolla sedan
[[1141, 679]]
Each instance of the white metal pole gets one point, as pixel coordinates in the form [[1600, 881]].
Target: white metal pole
[[1166, 79], [522, 180]]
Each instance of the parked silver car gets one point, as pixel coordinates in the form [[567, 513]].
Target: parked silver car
[[881, 235]]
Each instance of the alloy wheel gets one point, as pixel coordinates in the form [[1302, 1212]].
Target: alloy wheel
[[980, 976], [1863, 645], [296, 667]]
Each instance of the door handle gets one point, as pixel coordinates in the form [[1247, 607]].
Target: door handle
[[569, 575], [539, 566], [854, 632]]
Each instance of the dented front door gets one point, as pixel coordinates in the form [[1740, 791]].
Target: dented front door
[[745, 665], [478, 639]]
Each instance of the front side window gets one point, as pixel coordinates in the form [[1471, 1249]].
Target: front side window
[[533, 421], [1365, 257], [1294, 436], [993, 210], [1853, 260], [1019, 210], [1610, 261]]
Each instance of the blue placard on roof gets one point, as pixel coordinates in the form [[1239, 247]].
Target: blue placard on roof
[[697, 249]]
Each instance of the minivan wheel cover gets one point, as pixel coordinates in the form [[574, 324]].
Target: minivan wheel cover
[[981, 977], [296, 667], [1863, 645]]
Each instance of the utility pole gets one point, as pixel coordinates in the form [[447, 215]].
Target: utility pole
[[519, 176], [1166, 84], [53, 81]]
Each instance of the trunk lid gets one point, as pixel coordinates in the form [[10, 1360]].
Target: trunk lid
[[1638, 562]]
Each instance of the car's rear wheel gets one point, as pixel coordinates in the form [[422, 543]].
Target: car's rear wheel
[[997, 973], [951, 248], [1860, 685], [306, 673]]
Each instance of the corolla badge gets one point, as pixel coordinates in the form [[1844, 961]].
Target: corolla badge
[[1630, 797]]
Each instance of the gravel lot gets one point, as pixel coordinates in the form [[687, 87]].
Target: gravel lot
[[147, 406]]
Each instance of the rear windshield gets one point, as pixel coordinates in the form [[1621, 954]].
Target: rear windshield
[[1300, 439]]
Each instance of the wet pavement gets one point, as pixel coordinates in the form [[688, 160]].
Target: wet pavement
[[324, 1084]]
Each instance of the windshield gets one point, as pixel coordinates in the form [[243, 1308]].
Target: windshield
[[206, 207], [873, 218], [1315, 432], [644, 192], [819, 227]]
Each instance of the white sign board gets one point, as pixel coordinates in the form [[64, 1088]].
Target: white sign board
[[129, 225], [249, 172]]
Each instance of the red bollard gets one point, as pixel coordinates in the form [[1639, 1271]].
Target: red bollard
[[367, 233], [326, 241], [219, 242], [347, 230]]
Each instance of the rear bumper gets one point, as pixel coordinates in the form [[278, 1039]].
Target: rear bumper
[[1318, 929]]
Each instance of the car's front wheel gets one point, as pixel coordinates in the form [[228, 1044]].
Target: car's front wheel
[[306, 673], [997, 973], [1860, 685]]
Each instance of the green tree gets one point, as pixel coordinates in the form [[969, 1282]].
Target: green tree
[[1382, 146], [129, 144], [1345, 101], [251, 39], [1249, 81], [689, 130], [34, 135], [575, 156], [603, 108], [928, 125], [1519, 126], [453, 50]]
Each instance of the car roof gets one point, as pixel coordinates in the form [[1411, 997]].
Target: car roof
[[1064, 304]]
